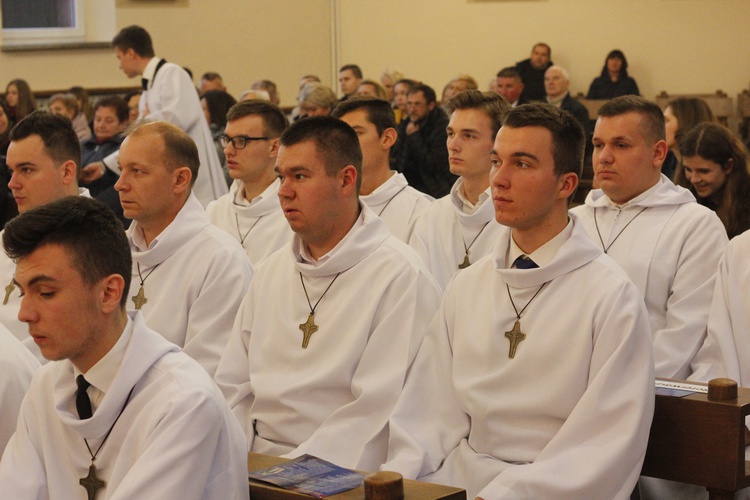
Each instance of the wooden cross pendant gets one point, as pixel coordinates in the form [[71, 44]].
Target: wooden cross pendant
[[465, 263], [92, 483], [8, 290], [139, 299], [308, 328], [515, 336]]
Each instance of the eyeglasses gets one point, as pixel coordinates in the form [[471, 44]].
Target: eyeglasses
[[240, 141]]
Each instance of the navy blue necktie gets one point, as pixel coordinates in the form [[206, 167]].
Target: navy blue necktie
[[523, 262], [144, 83], [83, 403]]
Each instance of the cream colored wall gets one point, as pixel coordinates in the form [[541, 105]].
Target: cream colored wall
[[244, 40], [682, 46]]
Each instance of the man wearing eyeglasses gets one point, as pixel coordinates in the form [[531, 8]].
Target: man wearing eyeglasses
[[189, 276], [251, 213]]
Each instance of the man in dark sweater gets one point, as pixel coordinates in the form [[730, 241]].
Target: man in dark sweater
[[421, 153], [532, 72]]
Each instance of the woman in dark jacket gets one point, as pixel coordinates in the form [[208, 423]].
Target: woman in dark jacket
[[614, 80]]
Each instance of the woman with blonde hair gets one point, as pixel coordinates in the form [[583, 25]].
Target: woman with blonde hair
[[715, 166]]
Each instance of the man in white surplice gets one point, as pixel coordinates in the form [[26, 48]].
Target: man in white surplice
[[251, 212], [44, 157], [120, 411], [322, 342], [189, 276], [385, 191], [168, 94], [521, 389], [667, 243], [460, 228]]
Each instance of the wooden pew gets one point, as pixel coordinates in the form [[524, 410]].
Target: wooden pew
[[700, 439], [592, 105], [413, 490]]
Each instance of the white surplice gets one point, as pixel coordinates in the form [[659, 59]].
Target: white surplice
[[171, 97], [670, 250], [398, 204], [726, 351], [17, 366], [567, 418], [176, 438], [443, 232], [260, 223], [333, 398], [195, 276]]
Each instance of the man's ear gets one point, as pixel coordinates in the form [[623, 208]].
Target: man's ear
[[568, 185], [274, 151], [348, 176], [113, 286], [69, 172], [181, 177], [660, 152], [388, 139]]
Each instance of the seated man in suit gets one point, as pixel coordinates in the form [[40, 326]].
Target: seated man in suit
[[510, 86], [121, 410], [560, 404], [556, 84]]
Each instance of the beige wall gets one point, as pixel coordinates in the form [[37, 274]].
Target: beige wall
[[244, 40], [682, 46]]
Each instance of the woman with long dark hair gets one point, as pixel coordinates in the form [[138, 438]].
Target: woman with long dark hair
[[19, 99], [715, 166], [614, 80]]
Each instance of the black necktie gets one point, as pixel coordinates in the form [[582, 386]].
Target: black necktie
[[523, 262], [83, 403], [144, 83]]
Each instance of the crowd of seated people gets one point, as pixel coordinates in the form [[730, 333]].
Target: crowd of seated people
[[312, 274]]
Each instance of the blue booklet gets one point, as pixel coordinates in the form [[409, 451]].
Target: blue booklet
[[310, 475]]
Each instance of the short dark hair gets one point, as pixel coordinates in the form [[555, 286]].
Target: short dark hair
[[378, 111], [509, 72], [568, 137], [495, 106], [274, 120], [57, 133], [542, 44], [406, 81], [335, 141], [218, 103], [117, 103], [136, 38], [85, 227], [179, 148], [353, 68], [652, 118], [429, 92], [211, 76]]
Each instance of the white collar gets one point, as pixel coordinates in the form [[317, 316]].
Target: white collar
[[543, 255]]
